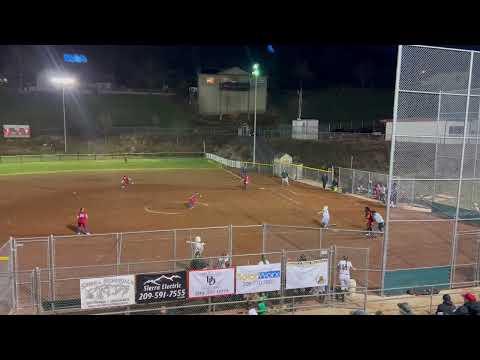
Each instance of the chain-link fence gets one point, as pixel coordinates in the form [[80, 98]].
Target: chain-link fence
[[279, 280], [434, 154], [6, 282], [296, 172]]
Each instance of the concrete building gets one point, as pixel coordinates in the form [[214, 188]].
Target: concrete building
[[231, 92], [426, 130]]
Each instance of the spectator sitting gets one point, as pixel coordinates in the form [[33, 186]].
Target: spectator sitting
[[263, 261], [224, 261], [379, 312], [358, 312], [334, 184], [470, 307], [405, 309], [252, 311], [446, 307], [262, 307]]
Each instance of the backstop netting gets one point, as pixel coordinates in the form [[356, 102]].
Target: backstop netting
[[434, 165]]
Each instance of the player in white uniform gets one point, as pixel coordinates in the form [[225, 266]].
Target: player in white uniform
[[344, 267], [379, 220], [197, 247], [325, 217]]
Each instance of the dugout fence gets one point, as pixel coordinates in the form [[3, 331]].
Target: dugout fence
[[162, 250]]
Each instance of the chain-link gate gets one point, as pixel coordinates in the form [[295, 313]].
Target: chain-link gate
[[434, 158]]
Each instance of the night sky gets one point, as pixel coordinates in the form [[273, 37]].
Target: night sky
[[148, 66]]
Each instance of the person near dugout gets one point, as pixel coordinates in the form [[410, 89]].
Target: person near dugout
[[446, 307], [245, 181], [379, 220], [324, 181], [284, 177], [470, 307]]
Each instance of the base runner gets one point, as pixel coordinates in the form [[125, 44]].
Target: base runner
[[193, 200], [125, 182], [82, 220], [245, 181]]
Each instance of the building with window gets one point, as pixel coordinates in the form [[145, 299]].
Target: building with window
[[231, 92], [426, 130]]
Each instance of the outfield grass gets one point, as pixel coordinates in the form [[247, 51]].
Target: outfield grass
[[47, 167]]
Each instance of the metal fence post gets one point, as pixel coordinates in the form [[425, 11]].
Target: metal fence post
[[353, 181], [365, 300], [367, 260], [13, 271], [230, 239], [264, 236], [39, 290], [51, 266], [33, 280], [174, 249], [320, 238], [431, 301], [283, 282], [332, 267], [413, 192], [118, 252]]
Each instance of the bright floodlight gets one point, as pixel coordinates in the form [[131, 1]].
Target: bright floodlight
[[63, 81], [255, 66]]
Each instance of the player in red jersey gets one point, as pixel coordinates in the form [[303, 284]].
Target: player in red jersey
[[245, 181], [192, 200], [82, 220], [369, 217], [125, 182]]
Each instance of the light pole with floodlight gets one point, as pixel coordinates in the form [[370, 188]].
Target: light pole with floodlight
[[64, 81], [255, 73]]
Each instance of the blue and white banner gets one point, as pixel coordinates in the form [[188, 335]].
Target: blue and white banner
[[258, 278]]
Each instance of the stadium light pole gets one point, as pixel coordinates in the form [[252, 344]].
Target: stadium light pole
[[255, 73], [63, 82]]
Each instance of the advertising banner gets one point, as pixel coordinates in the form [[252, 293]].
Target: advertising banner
[[307, 274], [151, 288], [107, 291], [16, 131], [258, 278], [217, 282]]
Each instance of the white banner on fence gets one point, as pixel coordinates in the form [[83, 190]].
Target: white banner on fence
[[258, 278], [307, 274], [202, 283], [107, 292]]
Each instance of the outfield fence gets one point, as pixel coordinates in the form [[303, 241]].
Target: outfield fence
[[18, 159], [295, 172]]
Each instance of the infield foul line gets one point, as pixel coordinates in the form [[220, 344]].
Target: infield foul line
[[231, 173]]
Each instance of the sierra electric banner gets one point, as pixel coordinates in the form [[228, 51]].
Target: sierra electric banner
[[153, 288], [258, 278], [217, 282], [307, 274], [107, 291], [16, 131]]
